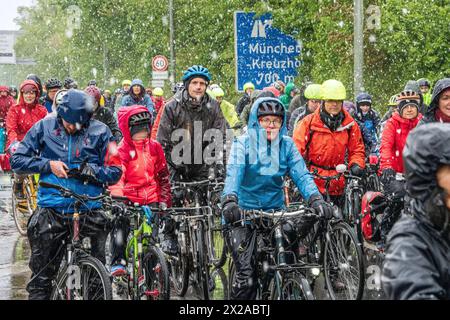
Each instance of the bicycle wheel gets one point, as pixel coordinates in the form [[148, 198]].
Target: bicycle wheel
[[203, 276], [156, 274], [87, 279], [294, 286], [357, 216], [221, 288], [343, 264], [22, 212], [219, 247], [179, 273]]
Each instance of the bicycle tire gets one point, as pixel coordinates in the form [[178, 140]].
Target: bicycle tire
[[83, 262], [221, 290], [219, 245], [158, 267], [179, 273], [19, 216], [294, 286], [357, 217], [202, 263], [331, 268]]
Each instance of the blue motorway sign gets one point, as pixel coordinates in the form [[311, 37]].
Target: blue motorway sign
[[263, 53]]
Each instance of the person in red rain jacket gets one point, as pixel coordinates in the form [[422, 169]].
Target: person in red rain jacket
[[158, 99], [394, 136], [6, 102], [20, 118], [145, 177]]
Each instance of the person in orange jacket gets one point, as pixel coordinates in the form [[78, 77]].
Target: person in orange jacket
[[325, 137]]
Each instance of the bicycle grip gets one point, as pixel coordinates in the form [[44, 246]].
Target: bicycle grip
[[51, 185]]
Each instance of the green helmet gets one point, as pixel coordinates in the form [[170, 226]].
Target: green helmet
[[393, 100], [313, 92], [249, 85], [333, 90]]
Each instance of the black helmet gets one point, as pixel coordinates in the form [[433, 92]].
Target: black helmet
[[140, 119], [363, 97], [92, 83], [424, 83], [68, 82], [177, 87], [53, 83], [36, 79], [270, 107]]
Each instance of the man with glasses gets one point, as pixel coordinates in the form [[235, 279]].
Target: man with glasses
[[258, 163], [330, 136]]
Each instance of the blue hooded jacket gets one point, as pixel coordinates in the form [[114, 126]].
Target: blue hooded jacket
[[142, 100], [256, 167], [47, 140]]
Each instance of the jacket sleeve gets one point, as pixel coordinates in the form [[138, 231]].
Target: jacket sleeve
[[156, 123], [111, 170], [11, 126], [117, 189], [125, 100], [356, 151], [164, 131], [245, 114], [113, 126], [299, 172], [27, 157], [149, 104], [235, 168], [301, 134], [162, 176], [387, 146], [409, 272]]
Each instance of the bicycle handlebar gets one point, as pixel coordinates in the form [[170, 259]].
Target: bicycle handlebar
[[67, 193]]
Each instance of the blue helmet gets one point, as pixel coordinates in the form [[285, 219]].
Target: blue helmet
[[196, 71], [363, 97]]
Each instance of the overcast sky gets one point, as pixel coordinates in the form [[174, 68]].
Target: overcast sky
[[9, 11]]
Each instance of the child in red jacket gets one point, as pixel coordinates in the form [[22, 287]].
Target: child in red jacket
[[145, 177]]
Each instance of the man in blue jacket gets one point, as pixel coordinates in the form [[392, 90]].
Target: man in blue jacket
[[53, 146], [137, 96], [258, 163]]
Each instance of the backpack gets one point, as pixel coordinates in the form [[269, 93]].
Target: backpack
[[372, 209]]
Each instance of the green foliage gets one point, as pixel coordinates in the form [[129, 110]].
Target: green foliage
[[118, 38]]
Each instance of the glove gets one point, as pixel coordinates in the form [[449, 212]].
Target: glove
[[356, 170], [87, 171], [396, 189], [387, 175], [231, 212], [322, 208]]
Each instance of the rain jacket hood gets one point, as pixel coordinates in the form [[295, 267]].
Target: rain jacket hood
[[34, 84], [440, 86]]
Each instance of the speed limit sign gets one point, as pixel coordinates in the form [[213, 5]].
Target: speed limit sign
[[160, 63]]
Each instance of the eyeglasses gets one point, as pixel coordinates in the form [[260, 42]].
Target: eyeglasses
[[276, 123]]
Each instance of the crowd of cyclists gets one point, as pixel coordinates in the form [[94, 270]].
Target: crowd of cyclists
[[135, 144]]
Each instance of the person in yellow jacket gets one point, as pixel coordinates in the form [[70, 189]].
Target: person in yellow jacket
[[228, 109]]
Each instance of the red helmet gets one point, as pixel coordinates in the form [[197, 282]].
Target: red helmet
[[94, 92]]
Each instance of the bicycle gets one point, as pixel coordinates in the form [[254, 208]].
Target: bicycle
[[22, 209], [280, 274], [195, 241], [148, 273], [341, 256], [80, 275]]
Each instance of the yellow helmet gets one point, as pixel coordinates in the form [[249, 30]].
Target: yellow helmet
[[126, 82], [333, 90], [158, 92], [249, 85], [313, 92], [218, 92]]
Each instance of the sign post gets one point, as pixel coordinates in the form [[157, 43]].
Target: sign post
[[160, 65], [263, 53]]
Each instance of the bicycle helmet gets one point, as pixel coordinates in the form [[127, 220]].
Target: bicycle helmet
[[94, 92], [158, 92], [424, 83], [312, 92], [59, 96], [333, 90], [393, 100], [178, 87], [68, 82], [196, 71], [406, 98], [139, 121], [249, 85], [218, 92], [271, 107], [53, 83], [363, 97], [126, 83], [92, 83]]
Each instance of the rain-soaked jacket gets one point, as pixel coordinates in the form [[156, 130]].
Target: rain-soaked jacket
[[430, 115], [47, 140], [21, 117], [256, 168], [417, 261], [143, 99], [5, 103], [393, 141], [368, 123], [324, 149], [286, 97], [145, 177], [194, 121]]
